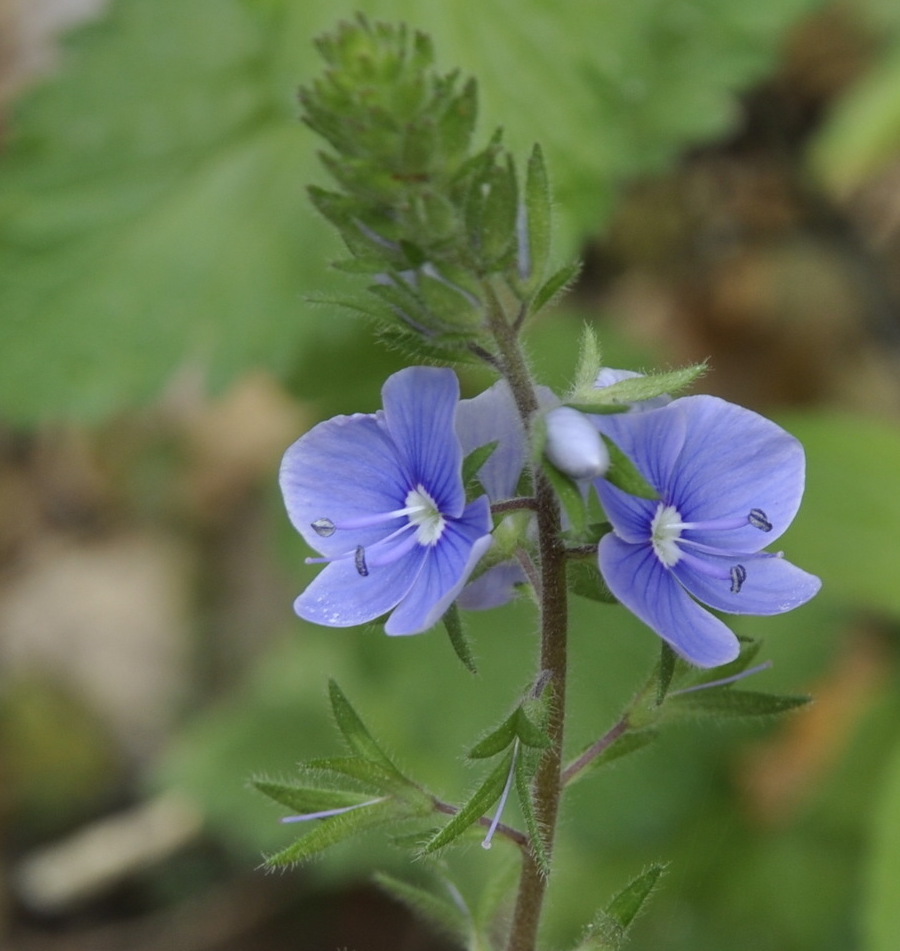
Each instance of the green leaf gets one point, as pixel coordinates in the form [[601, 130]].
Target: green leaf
[[476, 459], [589, 360], [474, 808], [667, 662], [638, 388], [305, 799], [355, 733], [497, 740], [328, 832], [537, 833], [695, 676], [365, 772], [725, 702], [528, 731], [569, 494], [135, 241], [609, 930], [555, 286], [538, 210], [459, 640], [584, 579], [624, 474], [851, 463], [881, 911], [445, 915], [861, 133]]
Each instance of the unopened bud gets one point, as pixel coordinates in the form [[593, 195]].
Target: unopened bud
[[573, 444]]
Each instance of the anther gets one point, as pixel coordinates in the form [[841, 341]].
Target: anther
[[758, 519], [738, 577], [323, 527], [360, 560]]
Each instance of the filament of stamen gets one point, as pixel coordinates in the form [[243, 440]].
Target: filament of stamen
[[712, 570], [328, 813], [486, 844], [325, 527]]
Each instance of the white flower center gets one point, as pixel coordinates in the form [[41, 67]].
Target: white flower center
[[665, 530], [425, 515]]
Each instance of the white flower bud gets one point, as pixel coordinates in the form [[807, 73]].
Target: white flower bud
[[573, 444]]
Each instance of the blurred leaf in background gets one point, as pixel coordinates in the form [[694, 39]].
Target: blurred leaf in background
[[152, 214]]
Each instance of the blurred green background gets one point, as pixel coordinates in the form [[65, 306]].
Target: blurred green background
[[731, 175]]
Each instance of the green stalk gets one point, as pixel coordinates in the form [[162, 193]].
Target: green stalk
[[554, 635]]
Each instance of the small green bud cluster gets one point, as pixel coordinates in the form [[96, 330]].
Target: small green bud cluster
[[436, 228]]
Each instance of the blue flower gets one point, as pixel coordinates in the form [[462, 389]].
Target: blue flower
[[380, 496], [730, 481]]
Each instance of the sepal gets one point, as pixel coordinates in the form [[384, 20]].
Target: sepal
[[584, 579], [637, 389], [624, 474], [518, 725]]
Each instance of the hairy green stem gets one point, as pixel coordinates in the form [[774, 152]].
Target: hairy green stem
[[554, 630]]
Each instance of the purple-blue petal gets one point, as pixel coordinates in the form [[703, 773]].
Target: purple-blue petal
[[652, 440], [340, 597], [497, 586], [735, 460], [638, 579], [772, 584], [419, 413], [446, 569], [492, 416], [346, 467]]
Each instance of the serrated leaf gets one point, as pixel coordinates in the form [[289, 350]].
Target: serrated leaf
[[329, 832], [355, 733], [725, 702], [474, 808], [445, 915], [624, 474], [459, 640], [555, 286], [305, 799]]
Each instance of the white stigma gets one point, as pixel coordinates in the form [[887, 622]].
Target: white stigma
[[425, 515], [665, 530]]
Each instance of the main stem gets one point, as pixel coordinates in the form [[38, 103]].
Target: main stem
[[554, 631]]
